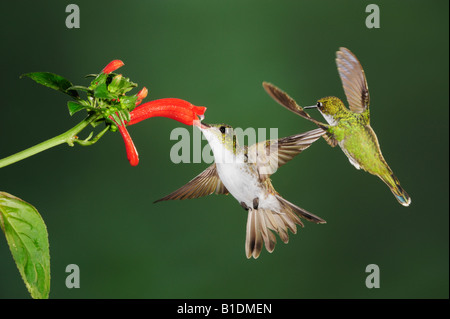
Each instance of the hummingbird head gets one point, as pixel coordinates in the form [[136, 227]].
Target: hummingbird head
[[219, 135], [329, 106]]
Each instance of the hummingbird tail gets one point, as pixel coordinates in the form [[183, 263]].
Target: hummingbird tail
[[257, 233], [288, 206], [399, 193], [263, 223]]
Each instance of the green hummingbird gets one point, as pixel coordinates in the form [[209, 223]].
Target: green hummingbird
[[244, 172], [349, 128]]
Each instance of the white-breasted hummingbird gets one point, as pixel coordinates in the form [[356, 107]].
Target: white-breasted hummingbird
[[244, 172]]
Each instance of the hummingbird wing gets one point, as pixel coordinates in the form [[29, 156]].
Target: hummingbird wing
[[206, 183], [285, 100], [272, 154], [353, 80]]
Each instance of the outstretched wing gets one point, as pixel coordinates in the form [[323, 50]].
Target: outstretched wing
[[353, 80], [272, 154], [285, 100], [206, 183]]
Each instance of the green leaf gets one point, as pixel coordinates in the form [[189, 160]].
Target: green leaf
[[52, 81], [75, 107], [120, 85], [27, 238], [128, 102], [116, 84], [115, 118], [101, 92], [99, 79], [125, 115], [80, 88]]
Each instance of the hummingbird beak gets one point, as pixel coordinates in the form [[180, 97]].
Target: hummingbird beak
[[202, 126], [310, 107]]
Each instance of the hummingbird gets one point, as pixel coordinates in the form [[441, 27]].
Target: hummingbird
[[244, 172], [349, 128]]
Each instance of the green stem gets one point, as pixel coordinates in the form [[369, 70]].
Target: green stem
[[68, 137], [88, 141]]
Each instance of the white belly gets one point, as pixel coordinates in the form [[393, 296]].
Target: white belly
[[245, 187], [239, 182], [237, 178]]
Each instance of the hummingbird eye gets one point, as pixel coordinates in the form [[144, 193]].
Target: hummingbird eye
[[222, 129], [319, 104]]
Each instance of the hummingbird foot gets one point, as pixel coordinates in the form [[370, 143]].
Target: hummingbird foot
[[244, 206], [255, 203]]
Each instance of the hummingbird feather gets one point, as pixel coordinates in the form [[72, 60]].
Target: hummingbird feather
[[300, 211], [353, 80], [272, 154], [281, 227], [254, 240], [268, 237], [394, 185], [206, 183], [261, 222], [329, 138], [285, 100]]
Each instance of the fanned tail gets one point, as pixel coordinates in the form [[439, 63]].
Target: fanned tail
[[263, 223]]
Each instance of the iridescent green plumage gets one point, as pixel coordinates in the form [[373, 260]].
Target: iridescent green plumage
[[349, 128]]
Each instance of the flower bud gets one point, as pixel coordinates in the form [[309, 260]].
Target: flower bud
[[142, 94], [112, 66]]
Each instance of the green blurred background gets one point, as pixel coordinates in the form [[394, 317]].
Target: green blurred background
[[99, 210]]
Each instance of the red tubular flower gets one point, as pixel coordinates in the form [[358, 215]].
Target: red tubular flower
[[132, 154], [112, 66], [176, 109]]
